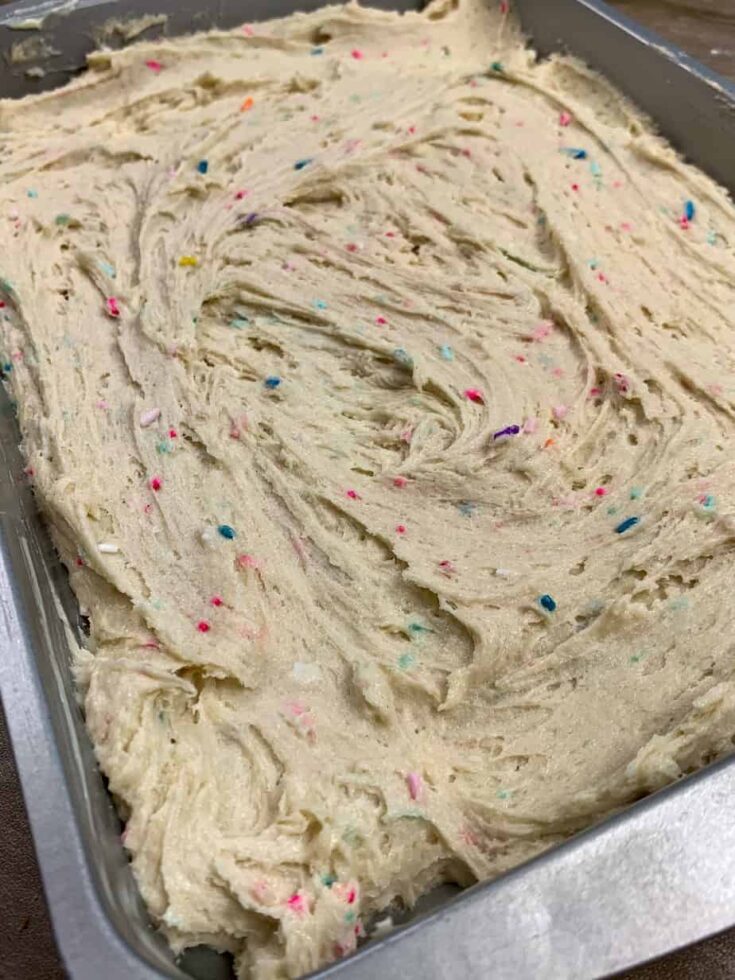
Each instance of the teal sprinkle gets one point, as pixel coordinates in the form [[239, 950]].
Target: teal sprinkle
[[466, 508], [593, 263], [446, 352], [226, 531], [350, 917], [627, 524], [636, 493], [497, 66], [319, 304], [503, 794], [238, 323], [709, 502], [406, 660], [315, 51], [417, 628], [7, 367], [157, 603], [109, 270], [164, 446], [203, 166], [595, 169], [32, 193], [711, 238], [403, 357], [300, 164], [62, 219], [546, 602], [328, 880]]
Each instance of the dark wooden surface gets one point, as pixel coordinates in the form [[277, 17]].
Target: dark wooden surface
[[704, 28]]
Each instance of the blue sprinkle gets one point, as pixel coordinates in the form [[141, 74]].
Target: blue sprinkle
[[319, 304], [226, 531], [446, 352], [574, 152], [403, 357], [203, 166], [546, 602], [509, 430], [7, 367], [300, 164], [689, 210], [627, 524], [272, 381], [317, 51], [32, 193]]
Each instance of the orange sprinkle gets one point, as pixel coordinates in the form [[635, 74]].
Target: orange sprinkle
[[247, 104], [549, 442]]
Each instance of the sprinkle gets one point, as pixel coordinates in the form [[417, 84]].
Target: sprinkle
[[272, 382], [250, 219], [711, 238], [216, 600], [156, 483], [31, 193], [62, 219], [595, 169], [564, 118], [381, 321], [357, 54], [474, 395], [636, 493], [188, 260], [447, 567], [560, 411], [503, 572], [112, 307], [149, 417], [109, 270], [316, 51], [400, 482], [600, 491], [446, 352], [684, 222], [238, 323], [689, 210], [353, 495], [530, 425], [352, 247], [621, 382], [319, 304], [203, 166], [574, 152], [403, 357], [549, 442], [107, 549], [466, 508], [575, 187], [406, 660], [547, 603], [400, 528], [497, 66], [300, 164], [155, 66], [203, 626], [328, 880], [625, 525], [226, 531], [418, 628], [509, 430], [415, 785], [247, 103]]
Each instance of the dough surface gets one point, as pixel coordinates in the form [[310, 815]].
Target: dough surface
[[376, 381]]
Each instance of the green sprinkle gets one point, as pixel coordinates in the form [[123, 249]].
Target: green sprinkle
[[406, 660], [350, 917], [595, 169], [62, 219], [328, 880], [637, 657], [636, 493], [612, 510]]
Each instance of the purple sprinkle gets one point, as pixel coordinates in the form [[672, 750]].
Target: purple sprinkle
[[251, 218], [509, 430]]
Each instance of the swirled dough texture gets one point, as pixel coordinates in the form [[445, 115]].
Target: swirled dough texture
[[322, 674]]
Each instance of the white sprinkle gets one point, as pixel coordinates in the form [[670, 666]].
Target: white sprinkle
[[107, 549], [306, 673], [149, 417], [503, 572], [207, 537]]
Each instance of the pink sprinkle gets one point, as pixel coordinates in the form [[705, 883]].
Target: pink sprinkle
[[112, 307], [520, 358], [602, 277], [102, 404], [357, 54], [314, 118], [156, 483], [626, 226], [203, 626], [247, 30], [621, 382], [149, 417], [557, 372], [247, 561], [530, 425], [415, 785], [216, 600], [381, 321], [684, 222], [148, 508], [560, 411], [504, 6], [617, 184], [351, 896], [447, 567], [400, 482], [474, 395], [353, 495], [400, 528], [411, 130], [594, 392], [390, 234], [564, 118], [154, 66], [601, 491], [29, 471], [542, 331]]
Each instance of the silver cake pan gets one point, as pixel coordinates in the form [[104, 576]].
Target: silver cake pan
[[645, 882]]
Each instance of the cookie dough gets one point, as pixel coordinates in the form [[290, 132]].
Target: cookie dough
[[376, 380]]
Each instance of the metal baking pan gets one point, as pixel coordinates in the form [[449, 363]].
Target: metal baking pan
[[652, 879]]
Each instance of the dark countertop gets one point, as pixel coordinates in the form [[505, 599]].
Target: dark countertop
[[704, 28]]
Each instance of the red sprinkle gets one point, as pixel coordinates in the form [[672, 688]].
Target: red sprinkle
[[203, 626], [474, 395], [575, 187], [156, 483], [352, 247], [600, 491], [400, 528], [112, 307], [216, 600], [79, 562], [381, 321], [173, 434]]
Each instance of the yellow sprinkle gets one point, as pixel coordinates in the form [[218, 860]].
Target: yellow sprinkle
[[188, 260]]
